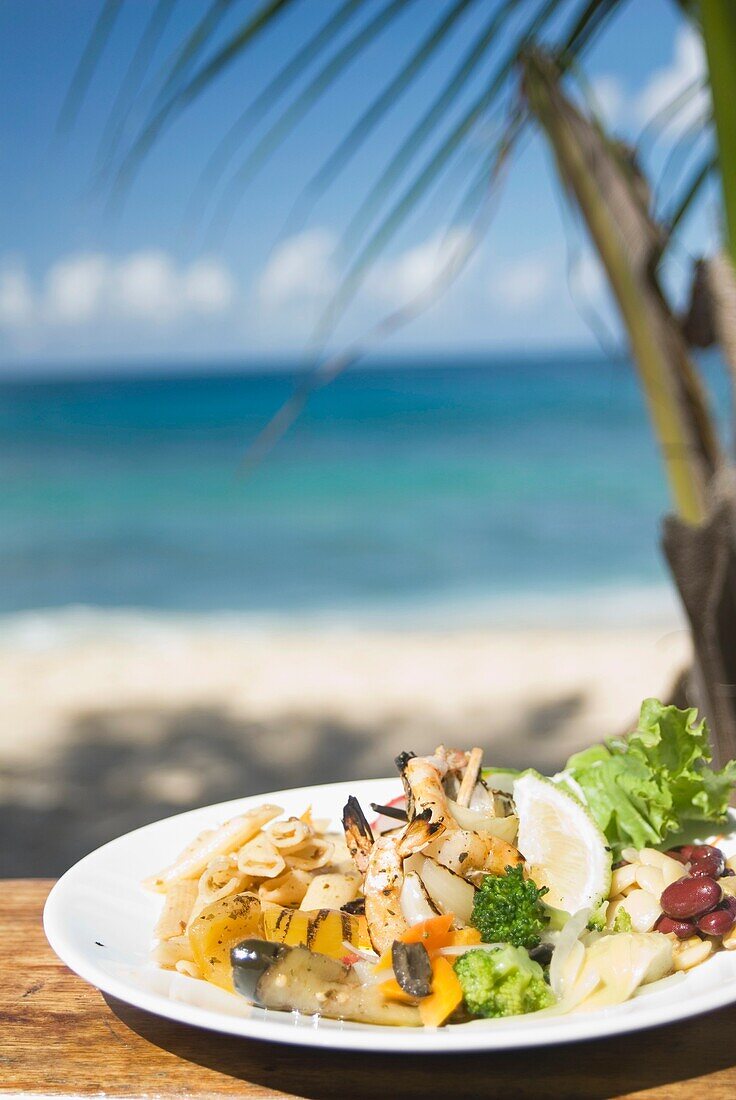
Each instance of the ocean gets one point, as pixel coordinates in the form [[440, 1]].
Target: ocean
[[511, 490]]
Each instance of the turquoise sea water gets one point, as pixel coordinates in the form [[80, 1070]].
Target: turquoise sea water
[[458, 484]]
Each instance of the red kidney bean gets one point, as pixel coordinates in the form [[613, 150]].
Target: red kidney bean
[[690, 897], [717, 922], [683, 929], [728, 873], [682, 854], [707, 860], [728, 903]]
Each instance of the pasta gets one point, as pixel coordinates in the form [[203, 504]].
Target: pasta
[[288, 863], [178, 906], [288, 889], [216, 842], [331, 891], [260, 859]]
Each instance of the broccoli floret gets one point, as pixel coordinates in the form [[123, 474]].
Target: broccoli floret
[[508, 909], [597, 922], [622, 922], [502, 981]]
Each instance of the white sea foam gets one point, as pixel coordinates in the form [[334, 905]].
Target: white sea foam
[[614, 607]]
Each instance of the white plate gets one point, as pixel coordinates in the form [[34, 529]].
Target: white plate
[[99, 921]]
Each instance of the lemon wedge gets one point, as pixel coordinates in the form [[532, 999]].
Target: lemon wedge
[[562, 845]]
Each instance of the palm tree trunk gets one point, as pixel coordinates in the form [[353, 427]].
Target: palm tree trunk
[[700, 542], [628, 243]]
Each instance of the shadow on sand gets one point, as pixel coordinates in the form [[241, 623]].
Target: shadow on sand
[[116, 770]]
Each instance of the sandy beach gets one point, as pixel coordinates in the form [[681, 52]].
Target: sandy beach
[[110, 720]]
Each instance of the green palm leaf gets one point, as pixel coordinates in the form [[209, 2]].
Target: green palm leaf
[[88, 63], [244, 36], [376, 111], [296, 111], [284, 79]]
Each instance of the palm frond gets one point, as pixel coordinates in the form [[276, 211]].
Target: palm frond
[[680, 155], [476, 205], [668, 113], [719, 32], [147, 44], [179, 65], [284, 79], [88, 62], [687, 198], [180, 98], [575, 39], [375, 112], [290, 118], [428, 123]]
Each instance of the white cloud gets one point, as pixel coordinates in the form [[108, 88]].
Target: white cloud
[[301, 269], [416, 271], [147, 285], [75, 288], [587, 278], [144, 287], [16, 296], [522, 283], [609, 97], [687, 66], [208, 287]]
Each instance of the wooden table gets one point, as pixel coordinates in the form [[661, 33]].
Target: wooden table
[[59, 1036]]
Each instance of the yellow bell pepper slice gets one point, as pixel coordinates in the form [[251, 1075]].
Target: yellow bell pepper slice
[[219, 927]]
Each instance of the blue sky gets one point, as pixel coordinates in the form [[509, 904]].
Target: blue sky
[[80, 285]]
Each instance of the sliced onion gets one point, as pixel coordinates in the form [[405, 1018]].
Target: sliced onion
[[481, 799], [416, 904], [566, 941], [477, 821], [414, 862], [661, 983], [500, 781], [366, 973], [462, 948], [449, 892], [364, 953]]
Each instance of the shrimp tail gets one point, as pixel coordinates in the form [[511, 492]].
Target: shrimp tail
[[420, 831], [358, 833], [401, 761]]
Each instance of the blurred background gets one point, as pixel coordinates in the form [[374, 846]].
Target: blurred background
[[457, 538]]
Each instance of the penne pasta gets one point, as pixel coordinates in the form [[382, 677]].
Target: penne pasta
[[330, 891], [178, 906], [260, 859], [316, 853], [221, 879], [184, 966], [170, 952], [286, 835], [287, 890], [230, 836]]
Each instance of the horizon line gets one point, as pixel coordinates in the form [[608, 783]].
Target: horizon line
[[140, 368]]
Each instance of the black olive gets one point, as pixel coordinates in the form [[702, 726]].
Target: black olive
[[412, 968], [542, 954], [250, 958]]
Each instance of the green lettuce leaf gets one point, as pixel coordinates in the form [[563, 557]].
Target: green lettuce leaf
[[643, 787]]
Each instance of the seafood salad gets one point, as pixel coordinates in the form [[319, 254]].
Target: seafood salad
[[477, 893]]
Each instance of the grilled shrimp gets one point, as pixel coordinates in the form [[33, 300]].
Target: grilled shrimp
[[382, 865], [434, 831], [384, 880]]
